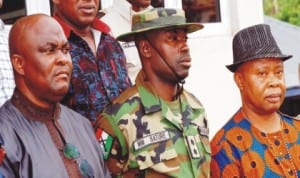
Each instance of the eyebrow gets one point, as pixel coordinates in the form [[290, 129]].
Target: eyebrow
[[66, 43]]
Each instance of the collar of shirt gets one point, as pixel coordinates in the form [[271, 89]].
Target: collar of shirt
[[32, 111], [152, 102], [97, 24]]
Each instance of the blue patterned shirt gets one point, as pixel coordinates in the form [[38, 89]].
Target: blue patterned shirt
[[239, 149], [96, 80]]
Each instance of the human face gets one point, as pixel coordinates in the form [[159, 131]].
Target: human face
[[262, 84], [171, 59], [78, 13], [140, 3], [47, 65]]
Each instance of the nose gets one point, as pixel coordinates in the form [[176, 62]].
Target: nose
[[182, 38], [275, 81], [184, 46], [63, 58]]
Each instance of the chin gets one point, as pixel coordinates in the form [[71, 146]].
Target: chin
[[61, 91], [273, 108], [184, 76], [87, 20]]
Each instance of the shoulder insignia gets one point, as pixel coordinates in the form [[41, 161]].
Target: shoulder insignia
[[106, 142], [203, 131]]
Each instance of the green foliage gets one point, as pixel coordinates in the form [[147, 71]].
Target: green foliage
[[285, 10]]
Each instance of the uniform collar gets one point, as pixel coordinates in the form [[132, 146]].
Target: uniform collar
[[152, 102], [97, 24]]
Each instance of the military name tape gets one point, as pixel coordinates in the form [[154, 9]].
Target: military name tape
[[150, 139]]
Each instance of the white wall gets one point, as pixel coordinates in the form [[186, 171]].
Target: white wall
[[37, 6]]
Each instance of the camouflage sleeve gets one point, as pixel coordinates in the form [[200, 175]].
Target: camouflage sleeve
[[115, 148]]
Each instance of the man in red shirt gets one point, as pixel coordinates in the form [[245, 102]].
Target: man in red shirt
[[99, 64]]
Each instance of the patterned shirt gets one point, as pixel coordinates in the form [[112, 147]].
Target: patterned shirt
[[7, 83], [155, 138], [96, 80], [241, 150]]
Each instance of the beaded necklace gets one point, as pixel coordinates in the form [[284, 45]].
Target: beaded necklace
[[292, 171]]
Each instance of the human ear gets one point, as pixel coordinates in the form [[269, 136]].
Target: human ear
[[18, 63], [144, 48], [238, 79]]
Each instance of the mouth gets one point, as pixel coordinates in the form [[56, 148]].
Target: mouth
[[274, 98], [62, 74], [87, 9], [186, 61]]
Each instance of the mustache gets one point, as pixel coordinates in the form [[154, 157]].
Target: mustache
[[183, 56]]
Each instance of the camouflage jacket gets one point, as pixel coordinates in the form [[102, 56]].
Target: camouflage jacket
[[151, 140]]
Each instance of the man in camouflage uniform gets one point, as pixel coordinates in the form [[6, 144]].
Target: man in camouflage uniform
[[156, 128]]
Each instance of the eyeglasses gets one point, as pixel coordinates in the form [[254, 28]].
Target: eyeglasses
[[71, 152]]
